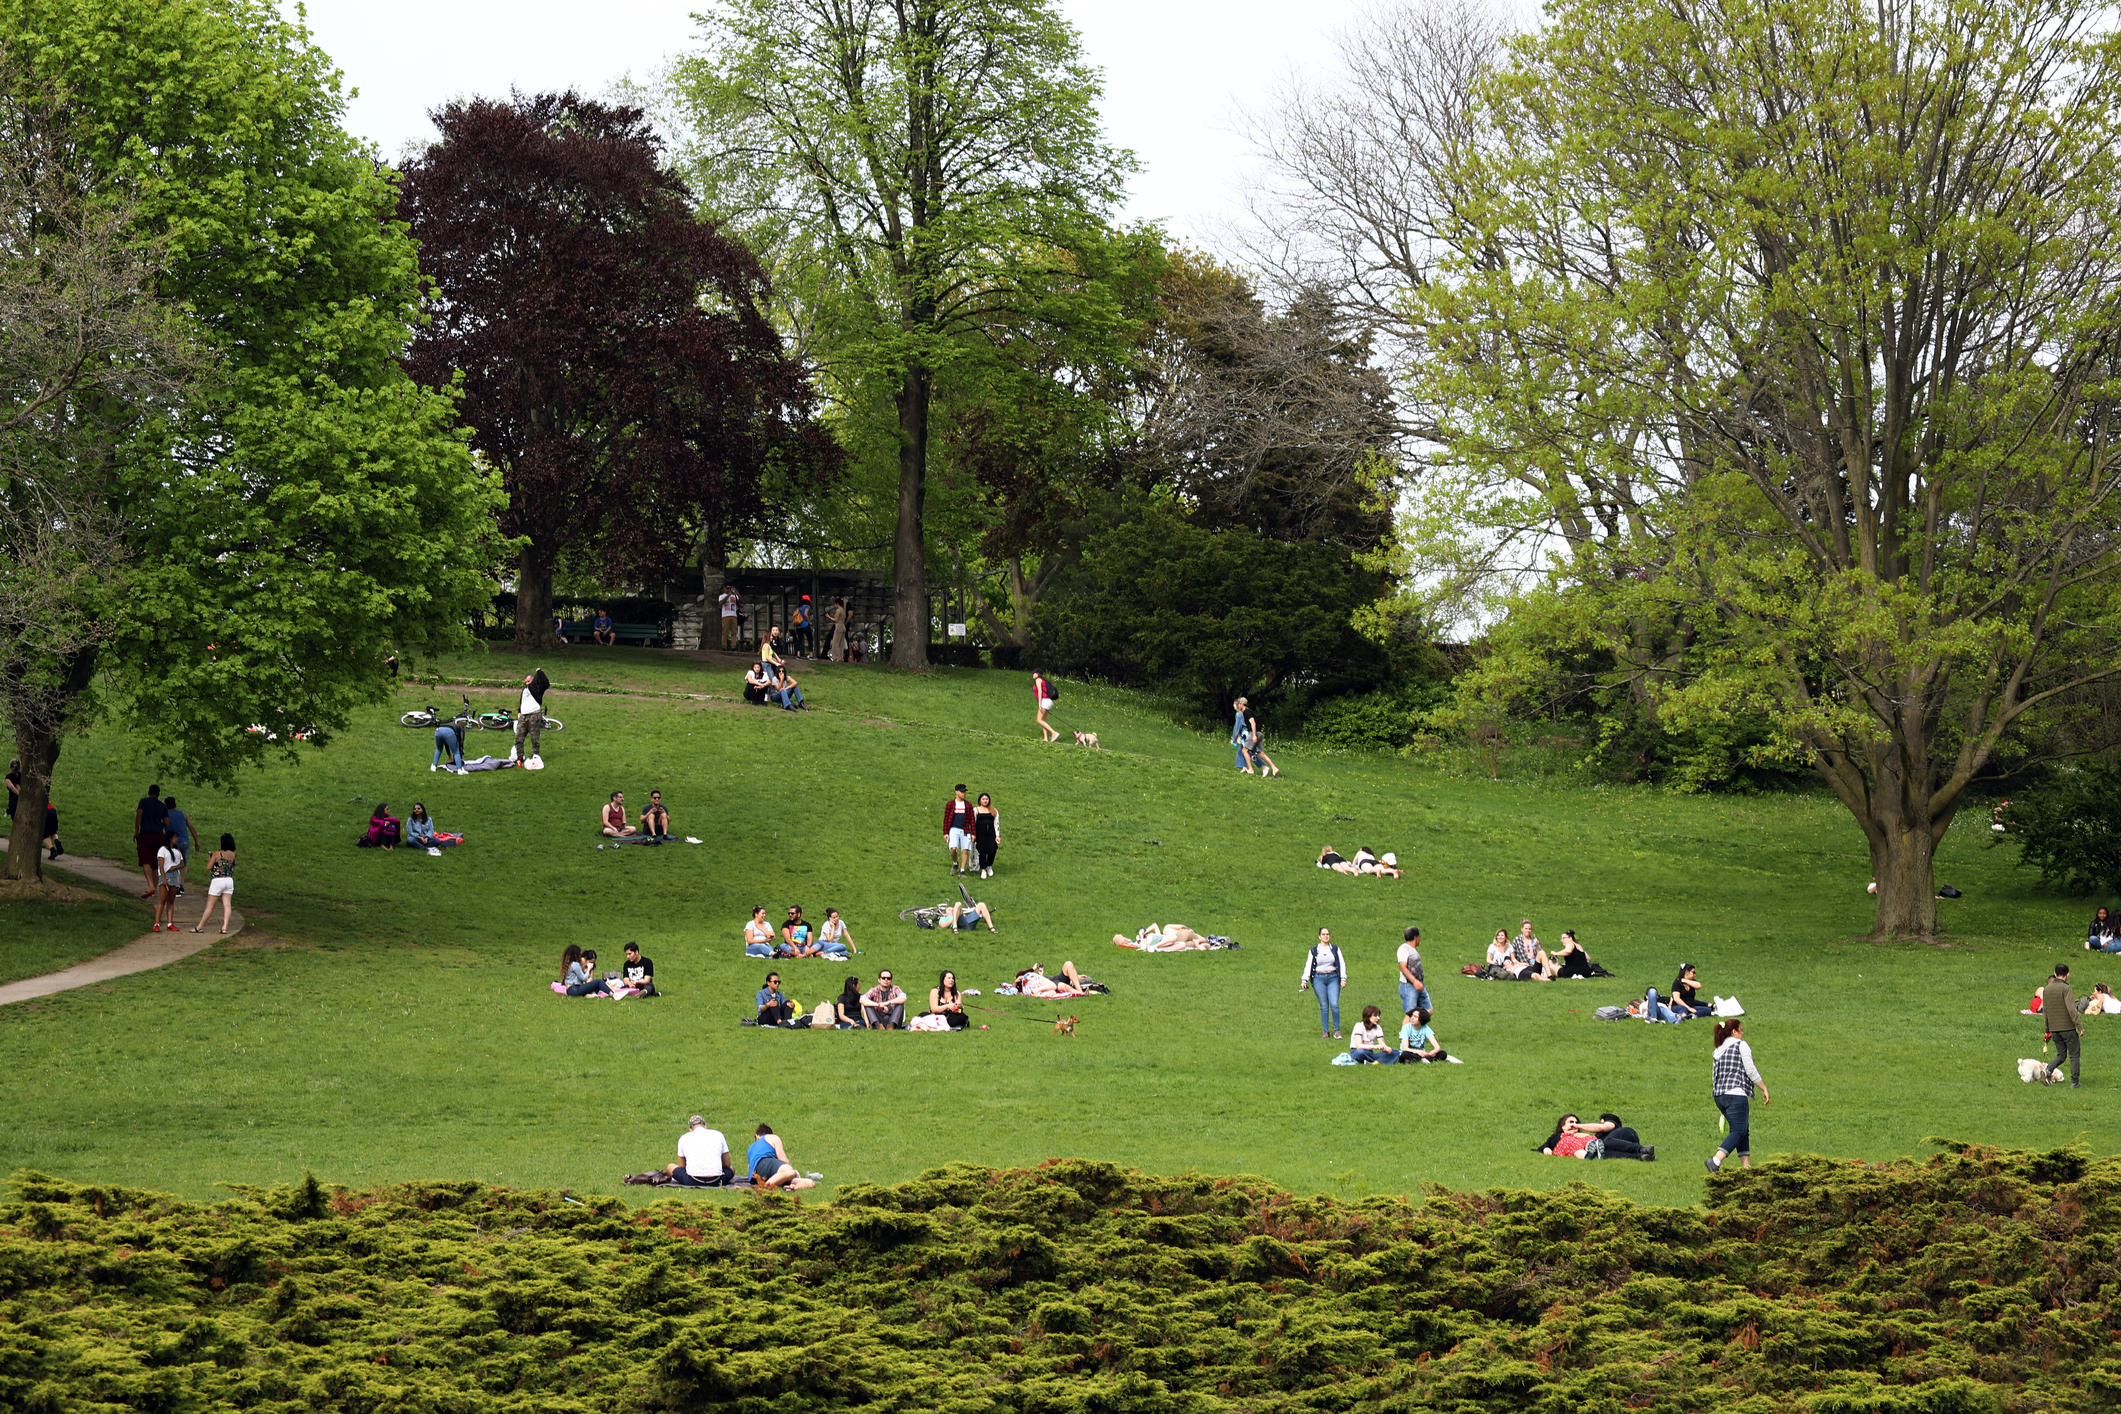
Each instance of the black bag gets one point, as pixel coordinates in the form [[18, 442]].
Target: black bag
[[1947, 891], [801, 1022], [958, 1020]]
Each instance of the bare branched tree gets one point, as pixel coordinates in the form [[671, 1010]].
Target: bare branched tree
[[87, 355]]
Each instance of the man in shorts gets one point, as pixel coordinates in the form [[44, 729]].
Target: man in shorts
[[957, 832], [703, 1155], [655, 820], [614, 817], [150, 817]]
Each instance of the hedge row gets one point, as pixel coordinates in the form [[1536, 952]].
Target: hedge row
[[1980, 1280]]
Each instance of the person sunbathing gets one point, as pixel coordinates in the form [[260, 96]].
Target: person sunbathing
[[1329, 859], [1575, 1139], [1368, 863], [1035, 982], [965, 917], [1170, 937]]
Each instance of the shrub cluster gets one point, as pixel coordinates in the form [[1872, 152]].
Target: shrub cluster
[[1979, 1280]]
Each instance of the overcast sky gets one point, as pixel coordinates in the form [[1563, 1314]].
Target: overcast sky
[[1175, 71]]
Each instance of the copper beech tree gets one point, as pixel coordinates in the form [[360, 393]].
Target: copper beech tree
[[616, 366]]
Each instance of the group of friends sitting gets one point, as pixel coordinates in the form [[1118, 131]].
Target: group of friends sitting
[[1364, 862], [387, 831], [703, 1162], [1603, 1138], [655, 819], [1171, 937], [797, 938], [881, 1008], [1417, 1041], [1524, 959], [579, 976], [770, 681]]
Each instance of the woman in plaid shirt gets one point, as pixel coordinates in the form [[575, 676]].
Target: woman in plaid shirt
[[1732, 1076]]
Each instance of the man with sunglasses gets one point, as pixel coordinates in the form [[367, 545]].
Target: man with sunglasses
[[884, 1005], [774, 1008], [655, 820]]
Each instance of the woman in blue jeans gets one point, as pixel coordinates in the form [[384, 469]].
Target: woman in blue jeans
[[1732, 1078], [1324, 971]]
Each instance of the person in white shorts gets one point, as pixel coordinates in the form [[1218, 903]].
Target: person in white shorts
[[957, 832], [220, 883]]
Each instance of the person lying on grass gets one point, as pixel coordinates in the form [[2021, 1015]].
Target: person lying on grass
[[1329, 859], [1366, 1044], [1418, 1043], [1035, 982], [1648, 1008], [1169, 937], [613, 821], [964, 917], [1368, 863], [1603, 1138], [767, 1160]]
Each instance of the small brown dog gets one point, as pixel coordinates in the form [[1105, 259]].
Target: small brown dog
[[1064, 1026]]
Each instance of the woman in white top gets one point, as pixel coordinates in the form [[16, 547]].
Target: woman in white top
[[833, 938], [1324, 971], [758, 934], [1367, 1045], [1732, 1076]]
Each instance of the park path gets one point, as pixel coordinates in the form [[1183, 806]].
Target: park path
[[143, 954]]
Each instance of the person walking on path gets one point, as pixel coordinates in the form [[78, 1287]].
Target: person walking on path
[[1413, 990], [1324, 971], [167, 864], [220, 883], [149, 818], [1042, 693], [986, 833], [1254, 747], [729, 599], [957, 832], [1241, 737], [177, 826], [530, 721], [2058, 1008], [1732, 1077], [837, 616]]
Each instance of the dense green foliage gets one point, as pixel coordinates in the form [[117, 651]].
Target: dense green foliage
[[2069, 827], [1982, 1280]]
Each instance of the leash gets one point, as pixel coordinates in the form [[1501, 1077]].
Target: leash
[[1035, 1021]]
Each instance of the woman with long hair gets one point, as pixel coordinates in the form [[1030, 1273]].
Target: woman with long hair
[[383, 827], [1042, 693], [569, 957], [837, 616], [2105, 934], [1732, 1079], [220, 883], [945, 1000], [847, 1007], [986, 833], [1367, 1045]]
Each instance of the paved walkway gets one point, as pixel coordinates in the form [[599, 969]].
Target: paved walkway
[[143, 954]]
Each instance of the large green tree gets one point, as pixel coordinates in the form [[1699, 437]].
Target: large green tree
[[922, 175], [302, 505], [1829, 291]]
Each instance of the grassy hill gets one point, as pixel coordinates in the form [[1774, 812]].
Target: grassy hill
[[388, 1016]]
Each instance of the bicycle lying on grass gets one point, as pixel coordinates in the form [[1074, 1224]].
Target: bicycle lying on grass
[[467, 720], [931, 915]]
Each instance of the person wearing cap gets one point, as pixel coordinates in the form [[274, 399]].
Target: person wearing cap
[[703, 1154]]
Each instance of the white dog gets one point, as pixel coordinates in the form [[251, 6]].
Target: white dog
[[2032, 1070]]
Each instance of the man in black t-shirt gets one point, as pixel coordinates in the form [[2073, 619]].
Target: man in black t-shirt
[[639, 972], [150, 817]]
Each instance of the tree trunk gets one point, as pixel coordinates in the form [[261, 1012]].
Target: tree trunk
[[37, 728], [909, 570], [1903, 861], [534, 603], [1887, 788]]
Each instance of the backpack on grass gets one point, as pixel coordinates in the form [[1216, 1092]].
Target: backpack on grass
[[1611, 1013]]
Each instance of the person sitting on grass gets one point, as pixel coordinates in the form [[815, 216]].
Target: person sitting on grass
[[1418, 1043], [1169, 937], [1603, 1138], [580, 973], [965, 917], [655, 820], [1686, 989], [1035, 982], [638, 973], [795, 936], [832, 939], [945, 1000], [767, 1161], [1368, 863], [758, 683], [2105, 934], [774, 1008], [786, 690], [1329, 859], [1527, 955], [613, 819], [847, 1009], [884, 1005], [1366, 1044], [1570, 960], [383, 828], [2101, 1002], [420, 830], [758, 935], [703, 1158]]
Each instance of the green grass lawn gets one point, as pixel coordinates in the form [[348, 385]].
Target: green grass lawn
[[37, 937], [387, 1016]]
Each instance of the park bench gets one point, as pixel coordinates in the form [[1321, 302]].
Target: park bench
[[580, 631]]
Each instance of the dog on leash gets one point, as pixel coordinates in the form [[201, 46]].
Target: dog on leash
[[1064, 1026], [2032, 1070], [1088, 739]]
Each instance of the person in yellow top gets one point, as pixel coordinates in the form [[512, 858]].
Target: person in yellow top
[[2058, 1008]]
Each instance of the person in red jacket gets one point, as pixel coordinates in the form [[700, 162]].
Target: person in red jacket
[[957, 832]]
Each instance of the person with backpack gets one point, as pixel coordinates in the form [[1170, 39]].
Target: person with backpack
[[1324, 971], [1045, 694]]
